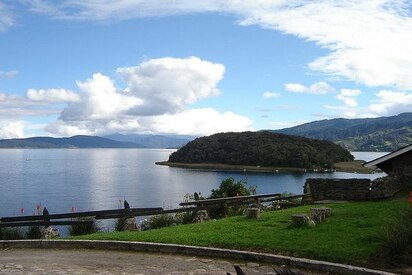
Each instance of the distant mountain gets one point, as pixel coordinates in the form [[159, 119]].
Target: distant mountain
[[70, 142], [152, 141], [382, 134]]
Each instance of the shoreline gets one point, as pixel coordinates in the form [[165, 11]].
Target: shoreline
[[258, 169]]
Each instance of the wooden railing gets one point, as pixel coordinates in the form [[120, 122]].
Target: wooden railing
[[70, 218]]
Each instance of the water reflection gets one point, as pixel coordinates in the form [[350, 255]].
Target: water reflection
[[97, 178]]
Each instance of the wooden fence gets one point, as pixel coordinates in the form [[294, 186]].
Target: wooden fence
[[192, 206]]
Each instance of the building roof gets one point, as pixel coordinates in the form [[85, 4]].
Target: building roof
[[389, 156]]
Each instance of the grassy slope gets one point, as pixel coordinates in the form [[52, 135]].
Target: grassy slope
[[353, 233]]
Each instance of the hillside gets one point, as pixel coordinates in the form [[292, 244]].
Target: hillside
[[152, 141], [382, 134], [261, 149], [70, 142]]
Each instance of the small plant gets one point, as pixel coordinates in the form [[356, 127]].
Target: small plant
[[184, 217], [121, 223], [85, 228], [11, 233], [159, 221], [286, 203], [399, 236], [33, 232]]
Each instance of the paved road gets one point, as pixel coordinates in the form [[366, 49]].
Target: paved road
[[53, 261]]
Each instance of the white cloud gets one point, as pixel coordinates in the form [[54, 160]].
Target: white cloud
[[156, 99], [295, 88], [52, 95], [391, 103], [318, 88], [167, 85], [6, 18], [17, 106], [107, 10], [369, 41], [11, 129], [271, 95], [99, 100], [348, 96], [8, 74], [204, 121]]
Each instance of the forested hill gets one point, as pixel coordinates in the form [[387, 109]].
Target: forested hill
[[70, 142], [262, 148], [383, 134]]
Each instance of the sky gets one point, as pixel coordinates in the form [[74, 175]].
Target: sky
[[98, 67]]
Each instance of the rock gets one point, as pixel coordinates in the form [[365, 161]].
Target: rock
[[49, 232], [201, 216], [320, 214], [300, 219], [253, 213], [131, 225]]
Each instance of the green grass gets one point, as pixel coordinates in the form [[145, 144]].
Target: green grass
[[353, 166], [353, 233]]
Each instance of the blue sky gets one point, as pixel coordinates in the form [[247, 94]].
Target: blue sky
[[188, 67]]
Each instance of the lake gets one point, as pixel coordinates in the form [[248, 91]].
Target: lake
[[96, 179]]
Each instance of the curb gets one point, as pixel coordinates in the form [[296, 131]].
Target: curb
[[193, 251]]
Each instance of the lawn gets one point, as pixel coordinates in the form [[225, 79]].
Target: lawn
[[353, 233]]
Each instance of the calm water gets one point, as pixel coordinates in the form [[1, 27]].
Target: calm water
[[96, 179]]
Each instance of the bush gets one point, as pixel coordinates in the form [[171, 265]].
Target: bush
[[230, 188], [159, 221], [33, 232], [184, 217], [120, 223], [83, 229], [399, 237], [11, 233]]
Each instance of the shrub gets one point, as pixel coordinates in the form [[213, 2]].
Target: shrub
[[230, 188], [11, 233], [120, 223], [399, 237], [83, 229], [33, 232], [184, 217], [159, 221]]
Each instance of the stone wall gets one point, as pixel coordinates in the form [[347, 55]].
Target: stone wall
[[350, 189]]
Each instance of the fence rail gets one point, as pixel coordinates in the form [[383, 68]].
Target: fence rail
[[193, 206]]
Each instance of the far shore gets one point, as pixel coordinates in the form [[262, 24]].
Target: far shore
[[349, 166]]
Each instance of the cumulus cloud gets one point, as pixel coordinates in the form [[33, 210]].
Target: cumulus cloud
[[271, 95], [295, 88], [348, 96], [11, 129], [391, 103], [369, 41], [52, 95], [167, 85], [318, 88], [156, 99], [204, 121], [99, 100], [17, 106], [8, 74]]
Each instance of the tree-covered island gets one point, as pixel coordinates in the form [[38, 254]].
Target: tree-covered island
[[258, 149]]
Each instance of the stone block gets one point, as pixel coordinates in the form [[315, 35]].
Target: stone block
[[300, 219], [253, 213]]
